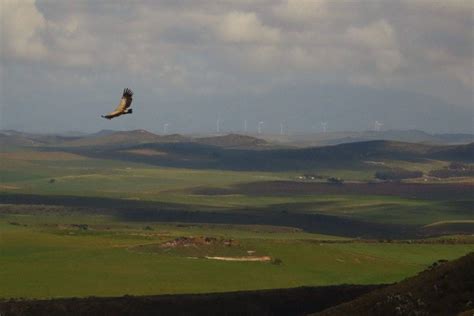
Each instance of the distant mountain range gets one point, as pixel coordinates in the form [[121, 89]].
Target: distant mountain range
[[110, 138], [334, 138], [233, 151], [242, 152], [124, 138]]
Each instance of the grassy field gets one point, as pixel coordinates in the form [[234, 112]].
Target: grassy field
[[51, 253], [49, 256], [77, 175], [31, 172]]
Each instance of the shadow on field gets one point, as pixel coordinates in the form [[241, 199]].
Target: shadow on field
[[313, 223], [203, 156], [128, 210], [295, 301], [450, 191]]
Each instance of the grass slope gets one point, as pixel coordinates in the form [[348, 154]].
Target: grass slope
[[49, 256], [30, 172], [447, 289]]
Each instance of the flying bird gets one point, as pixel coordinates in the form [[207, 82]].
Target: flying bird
[[123, 107]]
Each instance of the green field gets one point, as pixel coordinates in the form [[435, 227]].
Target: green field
[[48, 251], [48, 257], [74, 175]]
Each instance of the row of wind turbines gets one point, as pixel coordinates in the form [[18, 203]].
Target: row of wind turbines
[[260, 126], [283, 128]]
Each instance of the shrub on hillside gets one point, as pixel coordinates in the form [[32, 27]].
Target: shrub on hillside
[[334, 180], [455, 165], [277, 261], [455, 169], [397, 174]]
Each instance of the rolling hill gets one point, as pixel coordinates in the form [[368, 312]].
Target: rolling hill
[[336, 138], [292, 301], [234, 151], [20, 139], [197, 155], [444, 289], [122, 139], [108, 138], [232, 141]]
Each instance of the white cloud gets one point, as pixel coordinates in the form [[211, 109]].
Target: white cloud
[[452, 6], [245, 27], [301, 10], [22, 26], [444, 61], [376, 35], [380, 40]]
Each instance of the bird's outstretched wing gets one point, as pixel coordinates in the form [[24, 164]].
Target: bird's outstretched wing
[[126, 100], [124, 104]]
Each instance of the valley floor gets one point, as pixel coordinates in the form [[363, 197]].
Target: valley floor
[[75, 225], [73, 255]]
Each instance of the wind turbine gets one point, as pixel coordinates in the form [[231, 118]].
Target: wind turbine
[[218, 125], [259, 127], [377, 126], [165, 128], [245, 126], [324, 126]]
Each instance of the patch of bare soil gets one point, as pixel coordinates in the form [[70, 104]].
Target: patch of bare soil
[[198, 241], [8, 187], [248, 258], [204, 247], [37, 155], [449, 228], [145, 152]]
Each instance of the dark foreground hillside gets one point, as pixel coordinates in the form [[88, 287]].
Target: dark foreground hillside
[[445, 289], [296, 301]]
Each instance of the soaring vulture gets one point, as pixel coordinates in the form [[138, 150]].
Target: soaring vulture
[[123, 107]]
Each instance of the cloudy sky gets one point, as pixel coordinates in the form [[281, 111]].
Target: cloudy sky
[[405, 63]]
